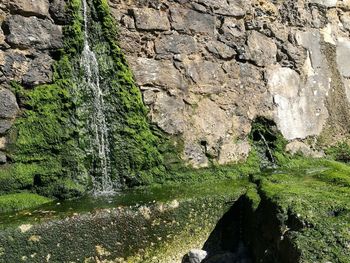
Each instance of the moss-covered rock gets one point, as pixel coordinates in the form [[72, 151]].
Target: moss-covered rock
[[303, 215]]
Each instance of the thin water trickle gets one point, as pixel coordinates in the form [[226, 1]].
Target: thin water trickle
[[101, 177]]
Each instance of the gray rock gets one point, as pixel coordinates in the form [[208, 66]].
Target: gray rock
[[3, 158], [157, 73], [151, 19], [58, 11], [13, 65], [236, 8], [195, 256], [32, 32], [39, 72], [261, 49], [177, 44], [233, 32], [220, 49], [30, 7], [343, 55], [168, 112], [8, 104], [191, 21], [5, 125]]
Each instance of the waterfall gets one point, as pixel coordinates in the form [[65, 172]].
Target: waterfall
[[101, 176]]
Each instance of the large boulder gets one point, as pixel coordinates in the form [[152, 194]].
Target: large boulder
[[32, 32]]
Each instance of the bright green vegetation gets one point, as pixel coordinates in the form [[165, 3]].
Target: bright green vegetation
[[51, 141], [313, 200], [19, 201]]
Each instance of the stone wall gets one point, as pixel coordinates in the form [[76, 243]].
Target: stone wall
[[208, 68], [30, 35]]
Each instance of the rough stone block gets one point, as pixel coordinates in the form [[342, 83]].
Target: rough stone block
[[262, 50], [191, 21], [32, 32], [177, 44], [156, 73], [8, 104], [151, 19], [30, 7]]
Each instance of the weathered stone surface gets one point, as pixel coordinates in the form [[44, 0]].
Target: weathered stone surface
[[13, 65], [208, 77], [190, 21], [159, 73], [32, 32], [151, 19], [296, 147], [168, 113], [220, 49], [300, 113], [235, 8], [5, 125], [3, 143], [261, 49], [343, 55], [39, 71], [177, 44], [2, 38], [30, 7], [326, 3], [8, 104], [58, 11], [3, 158]]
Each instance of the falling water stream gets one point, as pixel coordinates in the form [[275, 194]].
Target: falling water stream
[[102, 182]]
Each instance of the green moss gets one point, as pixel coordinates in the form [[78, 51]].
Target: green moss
[[315, 194], [19, 201], [339, 152]]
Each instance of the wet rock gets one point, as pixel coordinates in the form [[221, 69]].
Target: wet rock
[[30, 7], [5, 125], [177, 44], [32, 32], [262, 50], [151, 19], [3, 158], [191, 21], [58, 11], [8, 104], [195, 256], [39, 72], [157, 73]]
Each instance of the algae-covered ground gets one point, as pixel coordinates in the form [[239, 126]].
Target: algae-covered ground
[[307, 202], [154, 224]]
